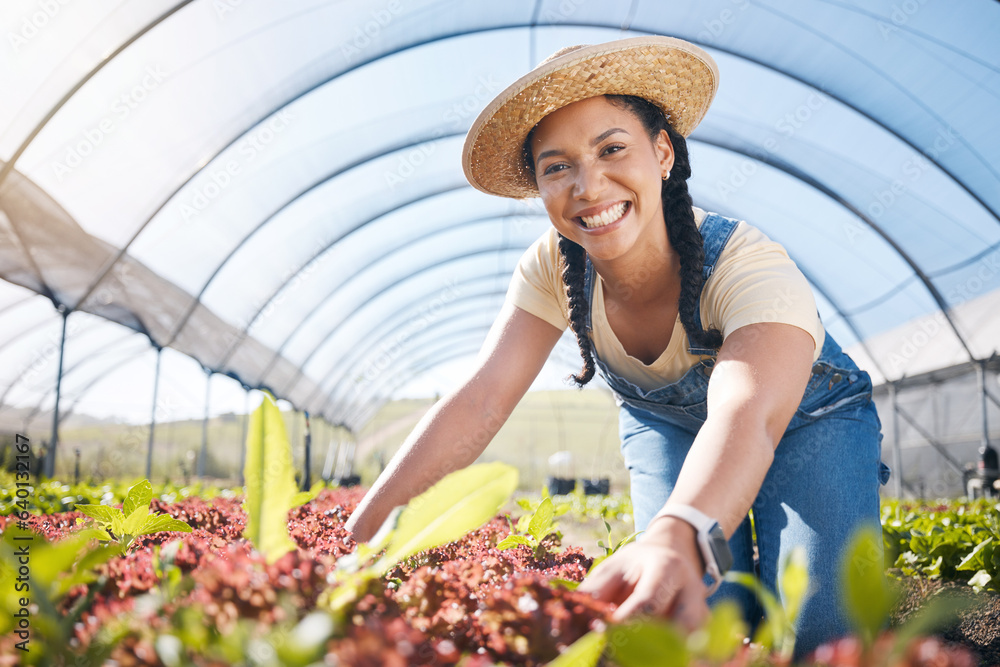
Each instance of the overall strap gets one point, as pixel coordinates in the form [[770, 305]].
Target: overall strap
[[716, 231]]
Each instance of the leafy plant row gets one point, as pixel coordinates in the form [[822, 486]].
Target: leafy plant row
[[274, 579], [53, 496], [953, 541]]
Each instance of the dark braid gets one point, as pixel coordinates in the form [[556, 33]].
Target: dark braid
[[682, 232], [574, 266]]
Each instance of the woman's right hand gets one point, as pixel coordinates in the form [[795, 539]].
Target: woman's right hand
[[659, 575]]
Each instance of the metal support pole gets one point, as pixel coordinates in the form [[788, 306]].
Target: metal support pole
[[331, 451], [897, 452], [307, 474], [50, 455], [243, 437], [152, 417], [981, 376], [204, 426]]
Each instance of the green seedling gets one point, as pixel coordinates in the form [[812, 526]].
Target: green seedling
[[123, 525], [608, 549], [270, 482], [532, 529]]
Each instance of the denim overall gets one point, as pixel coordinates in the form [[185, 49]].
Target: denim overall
[[821, 486]]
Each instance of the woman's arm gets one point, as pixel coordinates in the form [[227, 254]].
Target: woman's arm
[[459, 427], [757, 383]]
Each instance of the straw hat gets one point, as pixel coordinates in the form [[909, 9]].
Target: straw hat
[[675, 75]]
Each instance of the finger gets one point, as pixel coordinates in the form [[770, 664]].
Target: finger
[[606, 584], [651, 596], [690, 610]]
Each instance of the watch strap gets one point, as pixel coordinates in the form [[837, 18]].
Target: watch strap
[[692, 515]]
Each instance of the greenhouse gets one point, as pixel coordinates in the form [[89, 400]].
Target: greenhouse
[[202, 199]]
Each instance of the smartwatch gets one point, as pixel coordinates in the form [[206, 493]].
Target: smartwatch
[[711, 541]]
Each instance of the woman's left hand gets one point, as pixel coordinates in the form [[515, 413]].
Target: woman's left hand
[[659, 575]]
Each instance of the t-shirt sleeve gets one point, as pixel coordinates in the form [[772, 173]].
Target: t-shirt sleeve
[[536, 286], [756, 281]]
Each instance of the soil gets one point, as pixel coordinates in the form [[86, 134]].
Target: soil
[[977, 626]]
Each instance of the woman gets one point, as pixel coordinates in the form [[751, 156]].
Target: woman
[[732, 395]]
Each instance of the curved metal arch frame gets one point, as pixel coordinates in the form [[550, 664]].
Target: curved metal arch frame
[[822, 188], [347, 363], [368, 411], [356, 421], [369, 266], [9, 166], [17, 380], [444, 341], [292, 275], [274, 214], [107, 349], [529, 26], [383, 290], [414, 341], [414, 369]]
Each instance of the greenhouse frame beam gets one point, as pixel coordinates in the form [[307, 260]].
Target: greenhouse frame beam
[[152, 416], [8, 167], [50, 454], [513, 26], [203, 454], [407, 373], [346, 364], [943, 374], [292, 275], [110, 347], [458, 343], [274, 214], [821, 187], [848, 322], [423, 269], [374, 386], [383, 256], [417, 369]]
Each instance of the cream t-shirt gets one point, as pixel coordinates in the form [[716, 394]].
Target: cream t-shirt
[[754, 281]]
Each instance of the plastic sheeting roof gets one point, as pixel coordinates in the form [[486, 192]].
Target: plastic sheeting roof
[[275, 190]]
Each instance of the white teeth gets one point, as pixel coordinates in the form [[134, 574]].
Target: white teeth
[[606, 217]]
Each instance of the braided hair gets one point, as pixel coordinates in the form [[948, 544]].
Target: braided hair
[[682, 232]]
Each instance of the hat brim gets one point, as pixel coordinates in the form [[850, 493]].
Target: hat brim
[[675, 75]]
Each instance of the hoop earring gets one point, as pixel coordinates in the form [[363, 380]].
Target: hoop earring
[[666, 176]]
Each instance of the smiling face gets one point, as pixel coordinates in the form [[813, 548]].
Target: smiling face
[[600, 177]]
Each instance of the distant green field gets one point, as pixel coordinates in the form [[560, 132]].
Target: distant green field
[[582, 422]]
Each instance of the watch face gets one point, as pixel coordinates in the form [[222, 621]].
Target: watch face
[[720, 548]]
